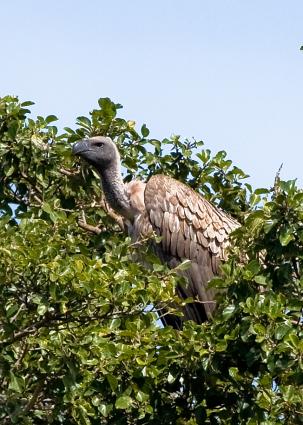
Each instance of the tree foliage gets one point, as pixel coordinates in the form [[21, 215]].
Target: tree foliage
[[79, 336]]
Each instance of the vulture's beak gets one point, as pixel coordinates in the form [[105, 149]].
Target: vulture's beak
[[80, 147]]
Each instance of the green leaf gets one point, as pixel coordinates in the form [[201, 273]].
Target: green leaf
[[286, 236], [268, 225], [254, 266], [281, 330], [228, 312], [298, 197], [141, 396], [105, 409], [289, 394], [10, 171], [16, 383], [84, 122], [158, 267], [114, 324], [294, 340], [144, 131], [183, 266], [79, 265], [47, 208], [41, 309], [123, 402], [234, 373], [11, 310], [261, 191], [217, 282], [261, 280], [51, 118], [27, 103], [113, 381]]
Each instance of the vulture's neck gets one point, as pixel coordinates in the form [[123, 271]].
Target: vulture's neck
[[115, 191]]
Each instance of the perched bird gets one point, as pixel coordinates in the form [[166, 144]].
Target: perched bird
[[190, 227]]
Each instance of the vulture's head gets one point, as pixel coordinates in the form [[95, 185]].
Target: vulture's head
[[99, 151]]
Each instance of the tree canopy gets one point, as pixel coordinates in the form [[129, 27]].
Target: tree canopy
[[79, 332]]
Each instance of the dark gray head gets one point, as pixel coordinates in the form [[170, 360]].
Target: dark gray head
[[99, 151]]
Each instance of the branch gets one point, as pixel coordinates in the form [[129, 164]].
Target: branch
[[95, 229], [68, 172], [204, 302], [84, 225], [296, 267], [277, 181], [23, 354], [36, 198], [111, 213], [32, 329], [34, 398], [26, 178], [92, 229]]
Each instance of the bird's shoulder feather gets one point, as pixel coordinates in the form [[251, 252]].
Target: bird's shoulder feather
[[187, 222]]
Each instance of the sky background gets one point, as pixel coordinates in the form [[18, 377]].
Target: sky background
[[224, 71]]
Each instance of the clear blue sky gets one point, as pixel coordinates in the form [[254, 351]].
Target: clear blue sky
[[227, 72]]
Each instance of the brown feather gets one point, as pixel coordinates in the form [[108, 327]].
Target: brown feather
[[174, 224], [202, 239], [191, 228], [188, 214], [186, 248], [173, 243], [182, 199], [180, 245], [181, 212]]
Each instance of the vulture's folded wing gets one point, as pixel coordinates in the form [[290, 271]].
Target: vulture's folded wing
[[191, 228]]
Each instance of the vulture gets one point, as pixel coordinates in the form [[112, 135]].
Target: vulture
[[190, 227]]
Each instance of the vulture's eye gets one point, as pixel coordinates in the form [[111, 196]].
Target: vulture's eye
[[99, 145]]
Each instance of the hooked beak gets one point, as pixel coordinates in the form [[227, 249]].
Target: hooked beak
[[80, 147]]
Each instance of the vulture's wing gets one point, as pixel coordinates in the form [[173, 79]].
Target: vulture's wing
[[191, 228]]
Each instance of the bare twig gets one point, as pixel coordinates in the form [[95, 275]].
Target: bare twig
[[84, 225], [33, 328], [96, 229], [68, 172], [36, 198], [204, 302], [26, 178], [277, 181], [23, 354], [17, 313], [111, 213], [35, 396], [296, 267], [89, 227]]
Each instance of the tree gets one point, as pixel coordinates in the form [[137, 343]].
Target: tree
[[80, 341]]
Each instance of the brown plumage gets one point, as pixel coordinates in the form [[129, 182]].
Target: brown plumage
[[190, 227]]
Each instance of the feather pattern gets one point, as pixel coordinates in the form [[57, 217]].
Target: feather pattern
[[195, 230]]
